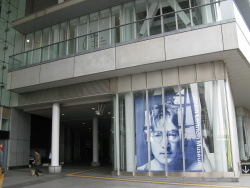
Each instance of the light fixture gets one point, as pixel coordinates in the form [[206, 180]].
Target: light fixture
[[100, 109], [109, 112], [62, 114], [27, 40]]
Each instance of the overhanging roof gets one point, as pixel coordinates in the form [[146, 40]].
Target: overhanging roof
[[62, 12]]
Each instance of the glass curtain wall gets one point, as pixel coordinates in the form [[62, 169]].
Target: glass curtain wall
[[10, 10], [176, 129], [130, 21]]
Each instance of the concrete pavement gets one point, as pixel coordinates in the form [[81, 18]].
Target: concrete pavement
[[79, 176]]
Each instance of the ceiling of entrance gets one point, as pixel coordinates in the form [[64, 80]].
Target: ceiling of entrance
[[80, 117]]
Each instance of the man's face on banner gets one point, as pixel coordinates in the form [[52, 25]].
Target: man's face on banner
[[169, 145]]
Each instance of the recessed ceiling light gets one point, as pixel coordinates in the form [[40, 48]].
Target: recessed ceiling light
[[62, 114], [109, 112], [93, 108]]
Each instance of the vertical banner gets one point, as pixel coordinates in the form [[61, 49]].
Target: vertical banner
[[165, 133]]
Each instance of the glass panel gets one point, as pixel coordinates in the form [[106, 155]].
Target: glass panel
[[204, 15], [183, 19], [29, 57], [45, 53], [36, 56], [93, 28], [18, 61], [72, 35], [182, 4], [155, 26], [29, 41], [226, 137], [242, 134], [113, 135], [142, 29], [63, 38], [82, 31], [122, 134], [191, 109], [53, 51], [127, 136], [116, 16], [169, 22], [116, 21], [104, 36], [46, 41], [215, 127], [168, 6], [46, 37], [173, 127], [140, 9], [37, 44], [72, 46], [141, 131], [55, 34], [201, 2], [156, 131], [38, 39], [128, 17], [153, 8], [5, 122]]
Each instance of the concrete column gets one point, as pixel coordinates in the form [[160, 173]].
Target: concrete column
[[55, 167], [95, 143]]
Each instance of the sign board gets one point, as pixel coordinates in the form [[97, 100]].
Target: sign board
[[245, 168]]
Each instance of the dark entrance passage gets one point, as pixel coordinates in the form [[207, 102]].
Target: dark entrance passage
[[76, 134]]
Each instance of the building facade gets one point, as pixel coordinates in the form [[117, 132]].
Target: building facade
[[174, 72]]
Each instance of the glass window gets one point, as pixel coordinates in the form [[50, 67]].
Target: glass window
[[215, 127], [201, 2], [141, 131], [29, 41], [204, 15], [128, 17], [63, 37], [46, 36], [167, 6], [37, 44], [45, 42], [116, 21], [153, 8], [93, 28], [127, 133], [140, 9], [54, 39], [82, 32], [55, 34], [104, 36], [72, 36]]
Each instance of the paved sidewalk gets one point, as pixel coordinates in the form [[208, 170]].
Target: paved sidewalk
[[89, 177]]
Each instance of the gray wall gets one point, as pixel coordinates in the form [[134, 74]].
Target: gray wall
[[19, 142]]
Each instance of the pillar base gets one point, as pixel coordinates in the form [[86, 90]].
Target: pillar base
[[55, 169], [95, 164]]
